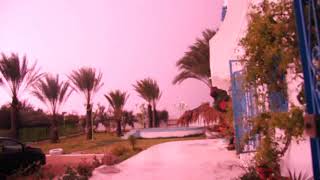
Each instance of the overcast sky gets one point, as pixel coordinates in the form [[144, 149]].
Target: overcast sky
[[127, 40]]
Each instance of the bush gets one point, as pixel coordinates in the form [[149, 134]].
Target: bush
[[82, 172], [70, 174], [120, 150], [250, 174], [109, 159], [96, 162], [85, 169]]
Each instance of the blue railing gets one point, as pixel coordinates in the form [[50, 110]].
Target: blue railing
[[244, 108], [307, 21]]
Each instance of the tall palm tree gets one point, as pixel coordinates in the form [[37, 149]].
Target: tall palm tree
[[117, 100], [52, 92], [17, 76], [196, 62], [149, 90], [87, 81]]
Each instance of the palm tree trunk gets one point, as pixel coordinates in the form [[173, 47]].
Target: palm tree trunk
[[124, 125], [155, 115], [54, 130], [14, 113], [119, 132], [88, 122], [150, 116]]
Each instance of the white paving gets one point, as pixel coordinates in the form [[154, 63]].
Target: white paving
[[185, 160]]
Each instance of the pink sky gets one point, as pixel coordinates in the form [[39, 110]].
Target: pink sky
[[125, 39]]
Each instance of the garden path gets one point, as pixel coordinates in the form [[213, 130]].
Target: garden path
[[185, 160]]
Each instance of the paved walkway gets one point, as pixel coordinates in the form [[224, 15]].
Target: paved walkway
[[185, 160]]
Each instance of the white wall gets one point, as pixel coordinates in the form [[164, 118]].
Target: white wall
[[224, 47], [298, 158]]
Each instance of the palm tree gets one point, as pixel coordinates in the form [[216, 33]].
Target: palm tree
[[17, 76], [163, 116], [149, 90], [52, 92], [128, 119], [196, 62], [117, 100], [87, 81]]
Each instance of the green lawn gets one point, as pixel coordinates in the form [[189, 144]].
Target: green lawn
[[103, 142]]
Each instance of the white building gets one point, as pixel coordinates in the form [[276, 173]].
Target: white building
[[224, 47]]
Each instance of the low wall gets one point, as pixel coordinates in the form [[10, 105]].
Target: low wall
[[298, 159], [168, 132]]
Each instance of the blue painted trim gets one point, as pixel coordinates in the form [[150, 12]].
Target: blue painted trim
[[312, 97]]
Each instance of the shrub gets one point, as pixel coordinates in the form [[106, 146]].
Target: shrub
[[70, 174], [120, 150], [85, 169], [82, 172], [267, 155], [96, 162], [109, 159], [250, 174]]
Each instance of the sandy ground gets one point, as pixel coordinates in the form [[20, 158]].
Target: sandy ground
[[185, 160]]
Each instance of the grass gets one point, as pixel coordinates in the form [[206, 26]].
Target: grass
[[103, 142]]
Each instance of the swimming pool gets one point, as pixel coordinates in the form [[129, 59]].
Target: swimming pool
[[166, 132]]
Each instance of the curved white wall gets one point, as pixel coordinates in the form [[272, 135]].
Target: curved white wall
[[224, 45]]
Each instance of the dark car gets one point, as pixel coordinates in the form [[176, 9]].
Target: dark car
[[16, 157]]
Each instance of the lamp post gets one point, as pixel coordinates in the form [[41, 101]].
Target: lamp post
[[91, 122], [182, 106], [64, 120], [144, 114]]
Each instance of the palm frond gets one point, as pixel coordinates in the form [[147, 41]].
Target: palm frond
[[110, 101], [16, 74], [87, 81], [148, 89], [52, 92], [196, 62], [203, 112], [117, 99]]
